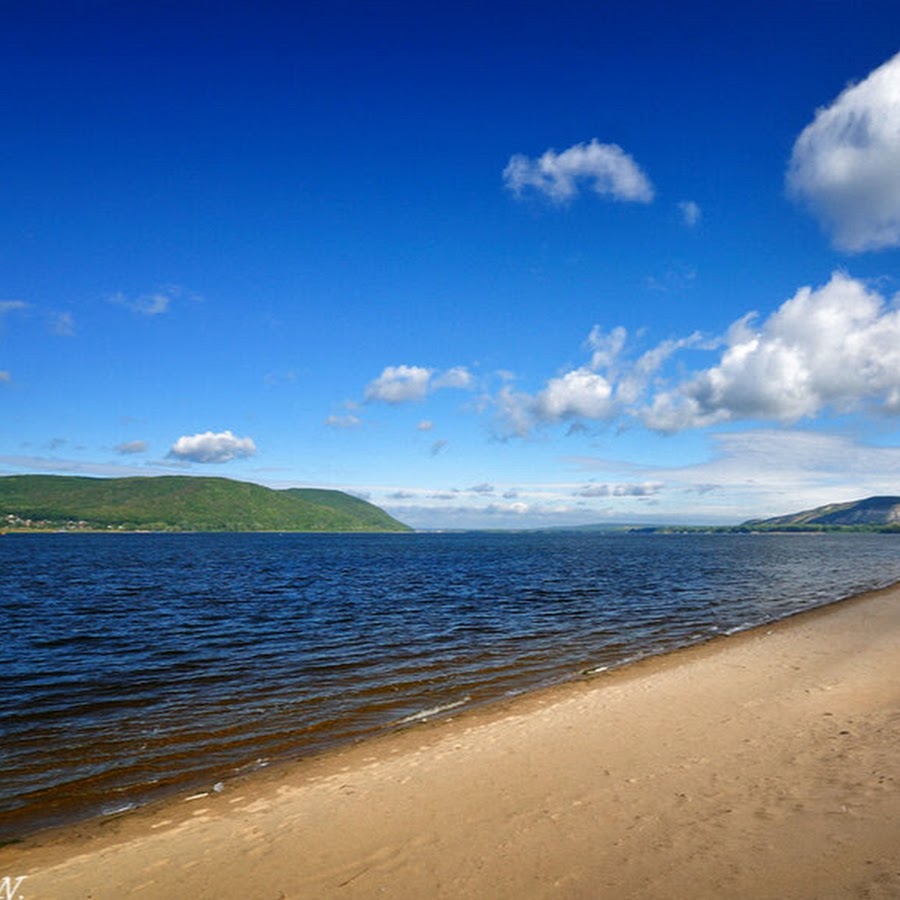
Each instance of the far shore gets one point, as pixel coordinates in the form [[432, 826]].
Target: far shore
[[761, 765]]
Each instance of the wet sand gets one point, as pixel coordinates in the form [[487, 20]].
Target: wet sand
[[763, 765]]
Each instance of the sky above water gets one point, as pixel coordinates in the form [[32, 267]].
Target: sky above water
[[485, 265]]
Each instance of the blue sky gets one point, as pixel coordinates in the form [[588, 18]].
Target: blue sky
[[505, 265]]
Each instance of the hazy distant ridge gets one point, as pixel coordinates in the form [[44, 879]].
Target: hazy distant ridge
[[875, 511], [180, 503]]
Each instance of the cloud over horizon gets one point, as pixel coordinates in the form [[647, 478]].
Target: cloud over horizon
[[835, 348], [606, 168], [210, 447], [845, 163], [131, 447], [620, 489]]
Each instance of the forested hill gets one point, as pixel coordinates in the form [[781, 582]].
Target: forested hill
[[180, 503], [873, 512]]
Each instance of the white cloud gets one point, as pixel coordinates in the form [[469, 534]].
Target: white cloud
[[63, 325], [585, 392], [154, 303], [759, 472], [828, 350], [783, 461], [425, 425], [131, 447], [7, 306], [677, 278], [73, 467], [210, 447], [845, 163], [606, 167], [634, 379], [836, 347], [690, 212], [579, 393], [606, 347], [514, 412], [457, 377], [346, 421], [5, 377], [399, 384], [402, 384], [146, 304], [621, 489]]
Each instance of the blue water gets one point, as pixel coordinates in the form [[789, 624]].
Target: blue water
[[142, 663]]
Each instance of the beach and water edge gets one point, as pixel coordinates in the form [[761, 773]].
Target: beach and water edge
[[762, 764]]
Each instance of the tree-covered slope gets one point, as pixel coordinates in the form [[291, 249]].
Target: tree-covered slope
[[871, 512], [182, 503]]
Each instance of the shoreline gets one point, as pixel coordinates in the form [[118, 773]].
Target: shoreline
[[759, 764], [48, 822]]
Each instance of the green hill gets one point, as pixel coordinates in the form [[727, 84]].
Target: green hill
[[180, 503], [871, 513]]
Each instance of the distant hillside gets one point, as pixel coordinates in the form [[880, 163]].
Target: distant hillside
[[871, 513], [180, 503]]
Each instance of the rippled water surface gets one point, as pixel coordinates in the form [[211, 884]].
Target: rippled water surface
[[134, 664]]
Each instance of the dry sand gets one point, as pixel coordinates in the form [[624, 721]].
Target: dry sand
[[764, 765]]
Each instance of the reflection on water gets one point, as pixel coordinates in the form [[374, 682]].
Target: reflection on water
[[137, 663]]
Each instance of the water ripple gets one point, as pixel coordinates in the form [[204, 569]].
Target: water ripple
[[136, 664]]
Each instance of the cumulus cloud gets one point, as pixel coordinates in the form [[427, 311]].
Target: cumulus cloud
[[131, 447], [5, 377], [579, 393], [399, 384], [402, 384], [606, 168], [210, 447], [845, 163], [836, 347], [425, 425], [457, 377]]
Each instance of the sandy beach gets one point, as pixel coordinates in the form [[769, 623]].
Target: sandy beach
[[762, 765]]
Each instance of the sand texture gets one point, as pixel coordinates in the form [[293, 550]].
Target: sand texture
[[765, 765]]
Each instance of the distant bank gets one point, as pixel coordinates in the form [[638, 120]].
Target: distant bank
[[874, 514], [179, 503]]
